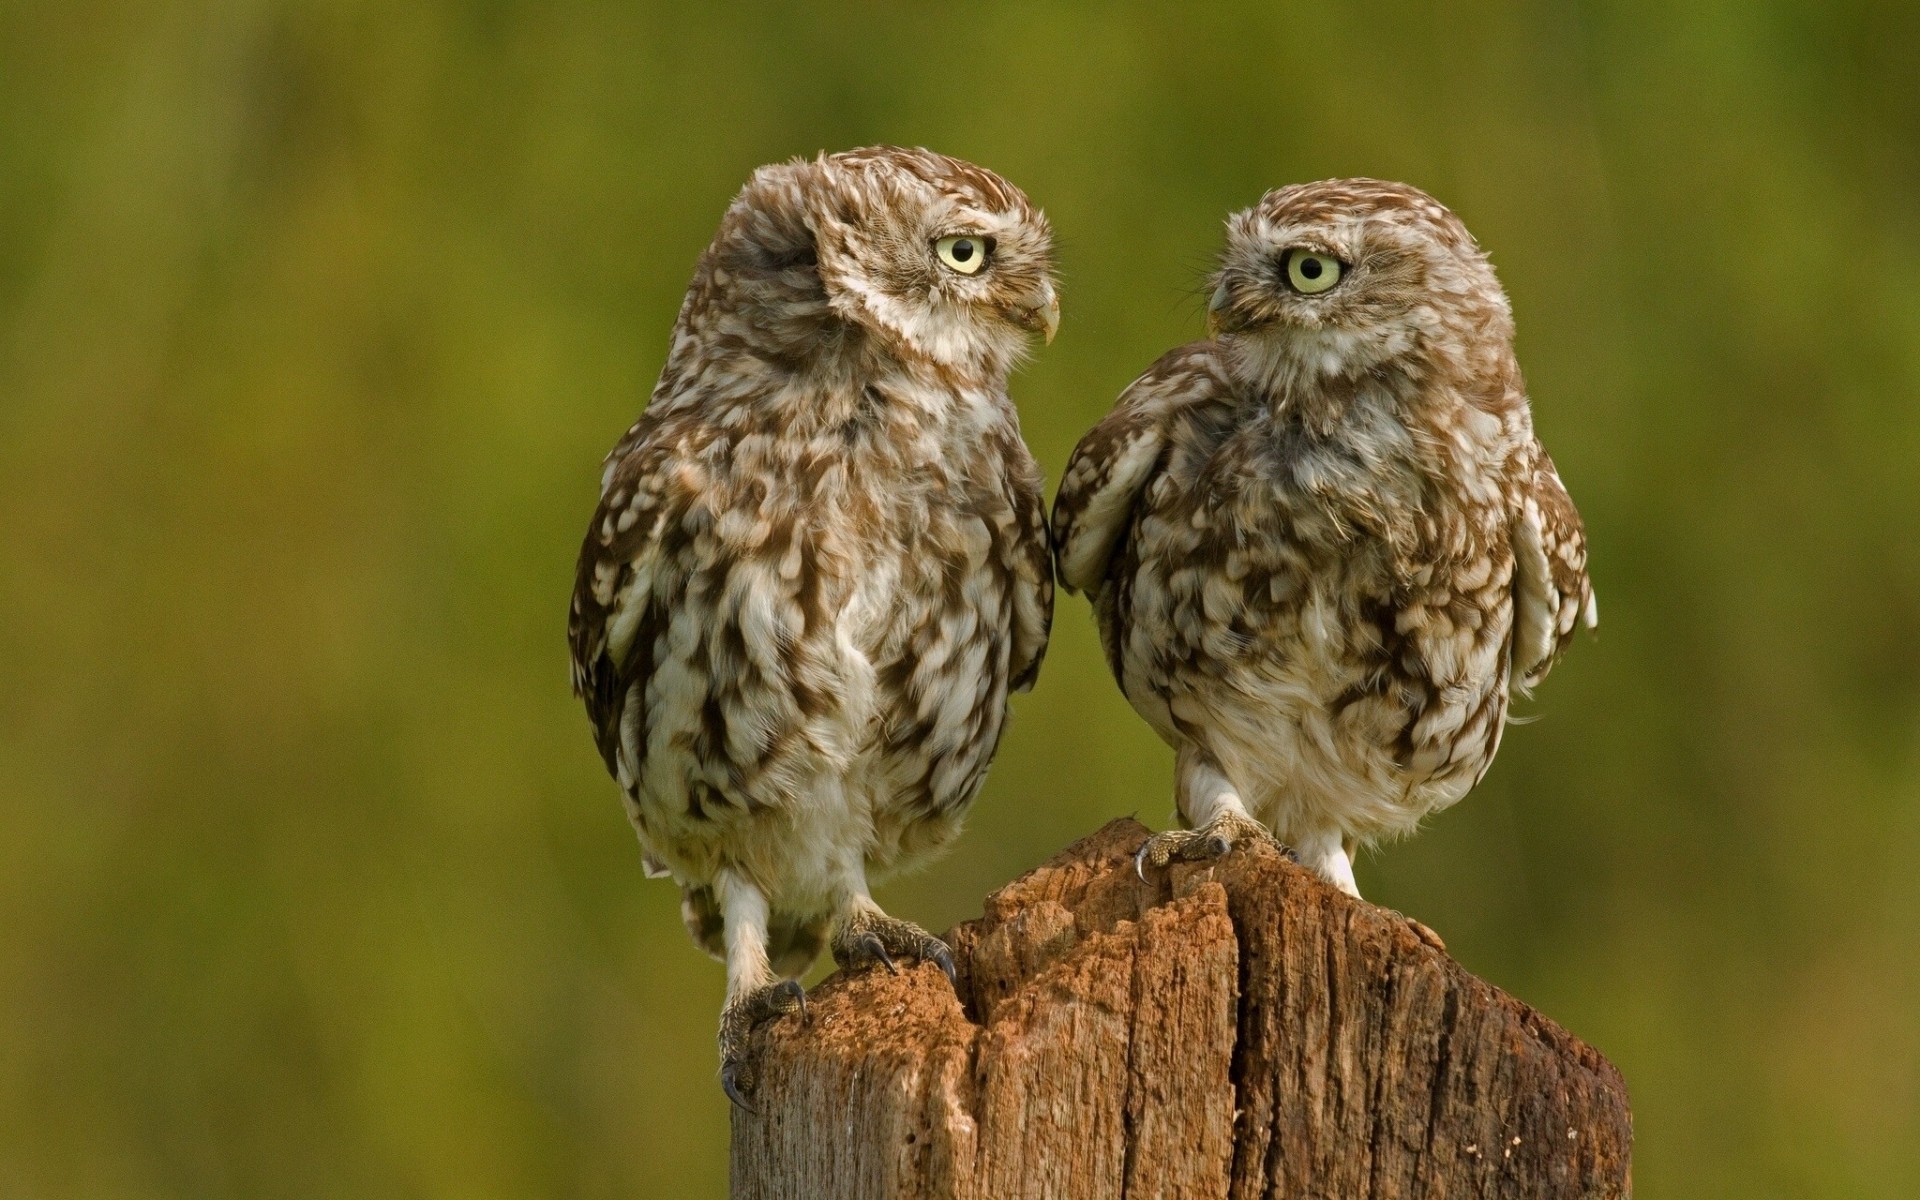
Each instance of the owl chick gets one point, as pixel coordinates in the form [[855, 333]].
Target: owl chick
[[820, 561], [1324, 547]]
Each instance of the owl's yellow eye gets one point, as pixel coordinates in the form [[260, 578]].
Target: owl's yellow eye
[[965, 253], [1310, 273]]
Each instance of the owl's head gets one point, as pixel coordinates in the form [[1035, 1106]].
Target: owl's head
[[925, 257], [1348, 277]]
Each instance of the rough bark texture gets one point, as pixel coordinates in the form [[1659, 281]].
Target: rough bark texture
[[1235, 1029]]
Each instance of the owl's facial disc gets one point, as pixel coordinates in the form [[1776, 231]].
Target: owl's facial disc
[[942, 261], [1348, 277], [1259, 289], [1031, 306]]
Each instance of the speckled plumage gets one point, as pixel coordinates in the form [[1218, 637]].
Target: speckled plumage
[[1324, 547], [820, 560]]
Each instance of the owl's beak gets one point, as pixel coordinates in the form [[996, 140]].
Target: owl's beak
[[1217, 319], [1041, 312]]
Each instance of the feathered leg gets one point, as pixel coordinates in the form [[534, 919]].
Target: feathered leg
[[754, 992], [1325, 854], [1330, 856]]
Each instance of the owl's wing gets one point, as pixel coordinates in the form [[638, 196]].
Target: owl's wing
[[1552, 594], [1029, 560], [619, 603], [1117, 458]]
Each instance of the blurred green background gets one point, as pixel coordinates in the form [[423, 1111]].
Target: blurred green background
[[315, 320]]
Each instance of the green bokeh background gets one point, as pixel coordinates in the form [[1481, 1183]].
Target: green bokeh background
[[315, 320]]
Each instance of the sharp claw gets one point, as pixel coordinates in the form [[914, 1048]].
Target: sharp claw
[[1140, 859], [1215, 846], [730, 1084], [872, 944], [737, 1022], [943, 958]]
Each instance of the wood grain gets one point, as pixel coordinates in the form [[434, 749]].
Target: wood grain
[[1236, 1029]]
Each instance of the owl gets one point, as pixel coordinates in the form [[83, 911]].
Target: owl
[[820, 561], [1324, 547]]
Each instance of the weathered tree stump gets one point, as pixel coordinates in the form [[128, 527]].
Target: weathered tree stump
[[1235, 1029]]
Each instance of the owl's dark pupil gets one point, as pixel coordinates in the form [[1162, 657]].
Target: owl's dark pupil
[[962, 250], [1310, 267]]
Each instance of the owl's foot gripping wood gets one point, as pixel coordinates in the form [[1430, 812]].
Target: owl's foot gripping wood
[[1212, 840], [737, 1021], [865, 937]]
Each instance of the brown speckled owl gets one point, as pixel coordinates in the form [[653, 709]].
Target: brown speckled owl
[[820, 560], [1324, 547]]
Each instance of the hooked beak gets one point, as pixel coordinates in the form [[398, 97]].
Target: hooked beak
[[1218, 322], [1040, 312]]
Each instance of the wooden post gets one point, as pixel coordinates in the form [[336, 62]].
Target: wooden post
[[1234, 1029]]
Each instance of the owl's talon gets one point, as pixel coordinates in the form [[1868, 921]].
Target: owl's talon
[[787, 997], [868, 937], [943, 958], [731, 1080], [737, 1022], [1215, 839], [869, 947]]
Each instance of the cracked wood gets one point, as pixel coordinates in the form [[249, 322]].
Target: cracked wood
[[1235, 1029]]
